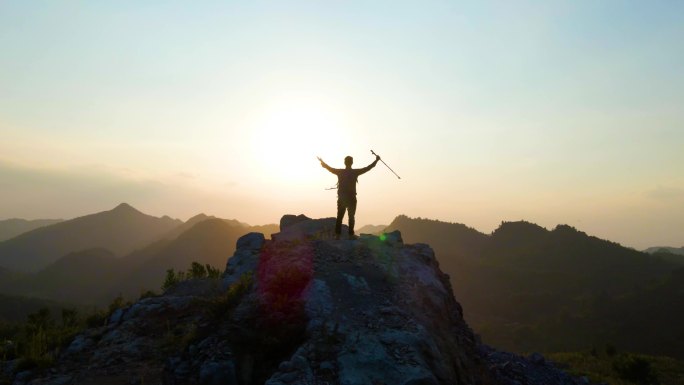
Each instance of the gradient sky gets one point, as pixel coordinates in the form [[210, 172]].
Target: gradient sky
[[549, 111]]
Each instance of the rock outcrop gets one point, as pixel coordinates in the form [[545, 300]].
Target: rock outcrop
[[299, 309]]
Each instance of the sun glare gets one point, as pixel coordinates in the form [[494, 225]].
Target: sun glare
[[288, 136]]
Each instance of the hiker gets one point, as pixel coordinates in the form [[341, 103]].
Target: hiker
[[346, 191]]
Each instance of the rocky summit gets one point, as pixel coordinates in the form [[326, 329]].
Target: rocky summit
[[301, 308]]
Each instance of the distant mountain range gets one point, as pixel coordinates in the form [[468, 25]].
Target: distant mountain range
[[120, 231], [666, 249], [371, 229], [211, 241], [10, 228], [197, 219], [81, 277], [95, 275], [670, 254], [526, 288]]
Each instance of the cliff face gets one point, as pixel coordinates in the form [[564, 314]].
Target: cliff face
[[299, 309]]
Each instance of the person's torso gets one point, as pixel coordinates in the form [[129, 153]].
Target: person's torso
[[346, 183]]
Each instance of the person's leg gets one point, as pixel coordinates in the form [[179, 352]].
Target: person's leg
[[340, 215], [351, 207]]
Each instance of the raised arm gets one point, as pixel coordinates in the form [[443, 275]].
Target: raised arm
[[325, 166], [370, 166]]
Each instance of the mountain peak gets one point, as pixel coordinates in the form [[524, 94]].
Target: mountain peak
[[199, 218], [121, 230], [125, 207], [519, 229]]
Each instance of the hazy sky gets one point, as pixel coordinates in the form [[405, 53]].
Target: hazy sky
[[549, 111]]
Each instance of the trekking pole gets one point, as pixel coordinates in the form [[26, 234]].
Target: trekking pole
[[383, 162]]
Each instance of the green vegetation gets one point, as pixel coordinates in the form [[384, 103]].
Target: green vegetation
[[15, 309], [621, 368], [99, 318], [37, 341], [179, 336], [147, 294], [196, 271], [223, 303]]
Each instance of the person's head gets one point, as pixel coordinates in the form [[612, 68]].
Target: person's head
[[348, 160]]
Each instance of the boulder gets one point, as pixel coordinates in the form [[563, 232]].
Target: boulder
[[251, 241], [305, 229], [393, 237], [289, 220], [244, 260]]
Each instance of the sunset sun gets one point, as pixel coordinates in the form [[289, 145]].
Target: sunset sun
[[290, 134]]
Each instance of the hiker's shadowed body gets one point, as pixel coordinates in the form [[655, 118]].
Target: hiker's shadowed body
[[346, 191]]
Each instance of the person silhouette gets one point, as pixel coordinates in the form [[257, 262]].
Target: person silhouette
[[346, 191]]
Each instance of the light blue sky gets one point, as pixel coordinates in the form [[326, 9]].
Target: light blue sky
[[553, 112]]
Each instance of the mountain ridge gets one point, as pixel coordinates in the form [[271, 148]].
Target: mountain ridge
[[527, 288], [667, 249], [78, 275], [12, 227], [95, 276], [119, 230]]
